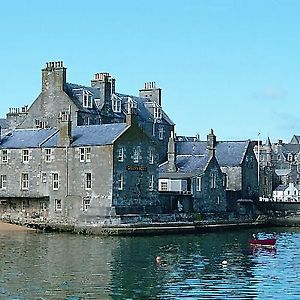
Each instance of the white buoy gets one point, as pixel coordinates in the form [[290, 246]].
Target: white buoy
[[224, 262]]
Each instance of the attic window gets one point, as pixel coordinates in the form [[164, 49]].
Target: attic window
[[87, 100], [157, 112], [116, 105]]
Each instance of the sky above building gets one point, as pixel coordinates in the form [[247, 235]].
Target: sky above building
[[229, 65]]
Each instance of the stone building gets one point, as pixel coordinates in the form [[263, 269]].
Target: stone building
[[192, 182], [236, 159], [92, 105], [91, 173]]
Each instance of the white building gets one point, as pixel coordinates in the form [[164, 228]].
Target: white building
[[287, 193]]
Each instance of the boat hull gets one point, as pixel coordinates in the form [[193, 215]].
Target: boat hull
[[263, 243]]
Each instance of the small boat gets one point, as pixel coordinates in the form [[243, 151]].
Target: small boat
[[270, 243]]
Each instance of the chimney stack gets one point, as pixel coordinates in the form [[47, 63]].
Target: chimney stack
[[65, 129], [151, 92], [211, 143], [53, 77]]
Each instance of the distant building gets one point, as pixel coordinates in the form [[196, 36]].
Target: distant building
[[96, 104], [287, 193], [92, 173]]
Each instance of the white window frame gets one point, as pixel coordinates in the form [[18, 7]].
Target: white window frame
[[85, 154], [25, 155], [157, 113], [151, 183], [116, 105], [136, 154], [86, 203], [213, 180], [24, 181], [4, 156], [151, 157], [44, 177], [57, 204], [121, 154], [87, 99], [120, 181], [198, 183], [161, 133], [164, 186], [88, 181], [55, 181], [48, 155], [3, 181]]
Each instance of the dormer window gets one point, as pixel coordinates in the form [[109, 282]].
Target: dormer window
[[157, 114], [87, 100], [116, 105]]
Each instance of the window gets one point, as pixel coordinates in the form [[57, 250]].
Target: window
[[55, 181], [225, 180], [57, 205], [4, 156], [164, 186], [290, 157], [85, 154], [44, 177], [24, 181], [161, 133], [136, 154], [87, 100], [151, 157], [3, 180], [121, 154], [86, 203], [157, 112], [88, 181], [116, 105], [151, 183], [198, 183], [43, 206], [213, 177], [25, 155], [120, 181], [48, 153], [64, 116]]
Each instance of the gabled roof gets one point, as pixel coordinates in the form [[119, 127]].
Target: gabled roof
[[295, 139], [228, 153], [90, 135]]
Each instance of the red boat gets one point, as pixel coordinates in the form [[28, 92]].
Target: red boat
[[263, 243]]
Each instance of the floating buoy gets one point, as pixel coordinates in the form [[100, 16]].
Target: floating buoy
[[158, 259], [224, 262]]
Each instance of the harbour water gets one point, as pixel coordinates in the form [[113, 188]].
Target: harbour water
[[204, 266]]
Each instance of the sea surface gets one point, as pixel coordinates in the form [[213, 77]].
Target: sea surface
[[195, 266]]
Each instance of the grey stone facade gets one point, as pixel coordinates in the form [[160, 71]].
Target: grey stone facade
[[78, 174], [192, 182]]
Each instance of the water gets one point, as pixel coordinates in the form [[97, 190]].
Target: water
[[64, 266]]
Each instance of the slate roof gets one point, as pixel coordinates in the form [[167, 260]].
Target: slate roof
[[26, 138], [3, 123], [295, 139], [143, 107], [281, 187], [187, 165], [90, 135], [228, 153]]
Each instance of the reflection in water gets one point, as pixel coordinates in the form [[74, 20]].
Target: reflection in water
[[63, 266]]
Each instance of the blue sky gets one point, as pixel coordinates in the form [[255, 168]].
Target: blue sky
[[228, 65]]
